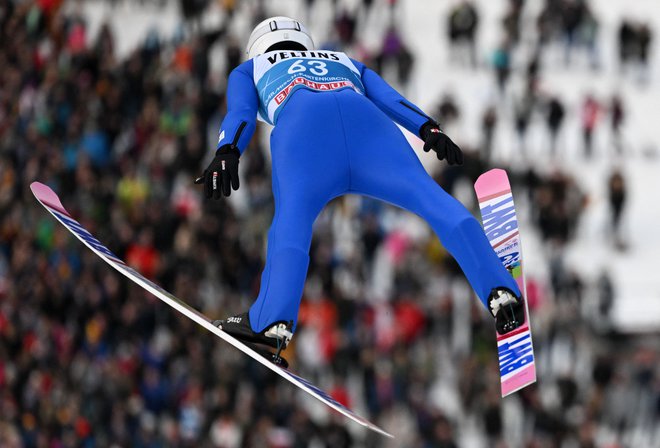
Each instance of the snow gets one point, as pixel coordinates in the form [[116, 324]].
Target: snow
[[637, 305]]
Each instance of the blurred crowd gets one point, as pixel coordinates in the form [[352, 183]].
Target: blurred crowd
[[388, 324]]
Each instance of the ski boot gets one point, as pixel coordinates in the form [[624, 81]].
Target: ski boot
[[507, 308], [276, 336]]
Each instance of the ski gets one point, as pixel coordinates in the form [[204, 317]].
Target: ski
[[52, 203], [498, 214]]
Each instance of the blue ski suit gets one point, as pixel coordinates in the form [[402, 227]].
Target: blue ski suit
[[335, 134]]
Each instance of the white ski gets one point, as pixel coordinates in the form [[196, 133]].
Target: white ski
[[52, 203]]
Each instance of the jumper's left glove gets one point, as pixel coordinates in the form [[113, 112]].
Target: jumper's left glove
[[222, 173], [438, 141]]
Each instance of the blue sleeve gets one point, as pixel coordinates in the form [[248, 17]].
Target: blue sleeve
[[399, 109], [242, 105]]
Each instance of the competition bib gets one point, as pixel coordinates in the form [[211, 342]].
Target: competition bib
[[277, 74]]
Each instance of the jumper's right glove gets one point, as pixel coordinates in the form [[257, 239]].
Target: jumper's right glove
[[221, 173], [438, 141]]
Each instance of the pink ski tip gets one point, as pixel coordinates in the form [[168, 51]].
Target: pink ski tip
[[45, 194], [491, 182], [522, 379]]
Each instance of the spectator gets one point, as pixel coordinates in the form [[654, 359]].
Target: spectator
[[488, 123], [634, 41], [644, 39], [558, 204], [547, 23], [523, 108], [192, 12], [395, 52], [345, 25], [573, 15], [442, 435], [462, 28], [511, 21], [502, 64], [228, 7], [589, 37], [617, 117], [447, 111], [233, 56], [201, 48], [617, 199], [627, 42], [367, 5], [605, 297], [591, 110], [554, 119]]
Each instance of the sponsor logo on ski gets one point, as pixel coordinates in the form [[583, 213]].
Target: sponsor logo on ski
[[499, 218], [79, 230], [510, 259], [510, 246], [515, 355], [234, 320]]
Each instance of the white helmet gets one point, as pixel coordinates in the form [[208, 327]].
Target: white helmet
[[275, 30]]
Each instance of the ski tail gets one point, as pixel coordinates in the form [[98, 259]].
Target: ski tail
[[515, 349]]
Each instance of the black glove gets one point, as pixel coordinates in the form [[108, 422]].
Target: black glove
[[222, 171], [438, 141]]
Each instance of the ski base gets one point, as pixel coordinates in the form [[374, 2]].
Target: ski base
[[52, 203]]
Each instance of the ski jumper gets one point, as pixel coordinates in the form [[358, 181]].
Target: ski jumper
[[334, 134]]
